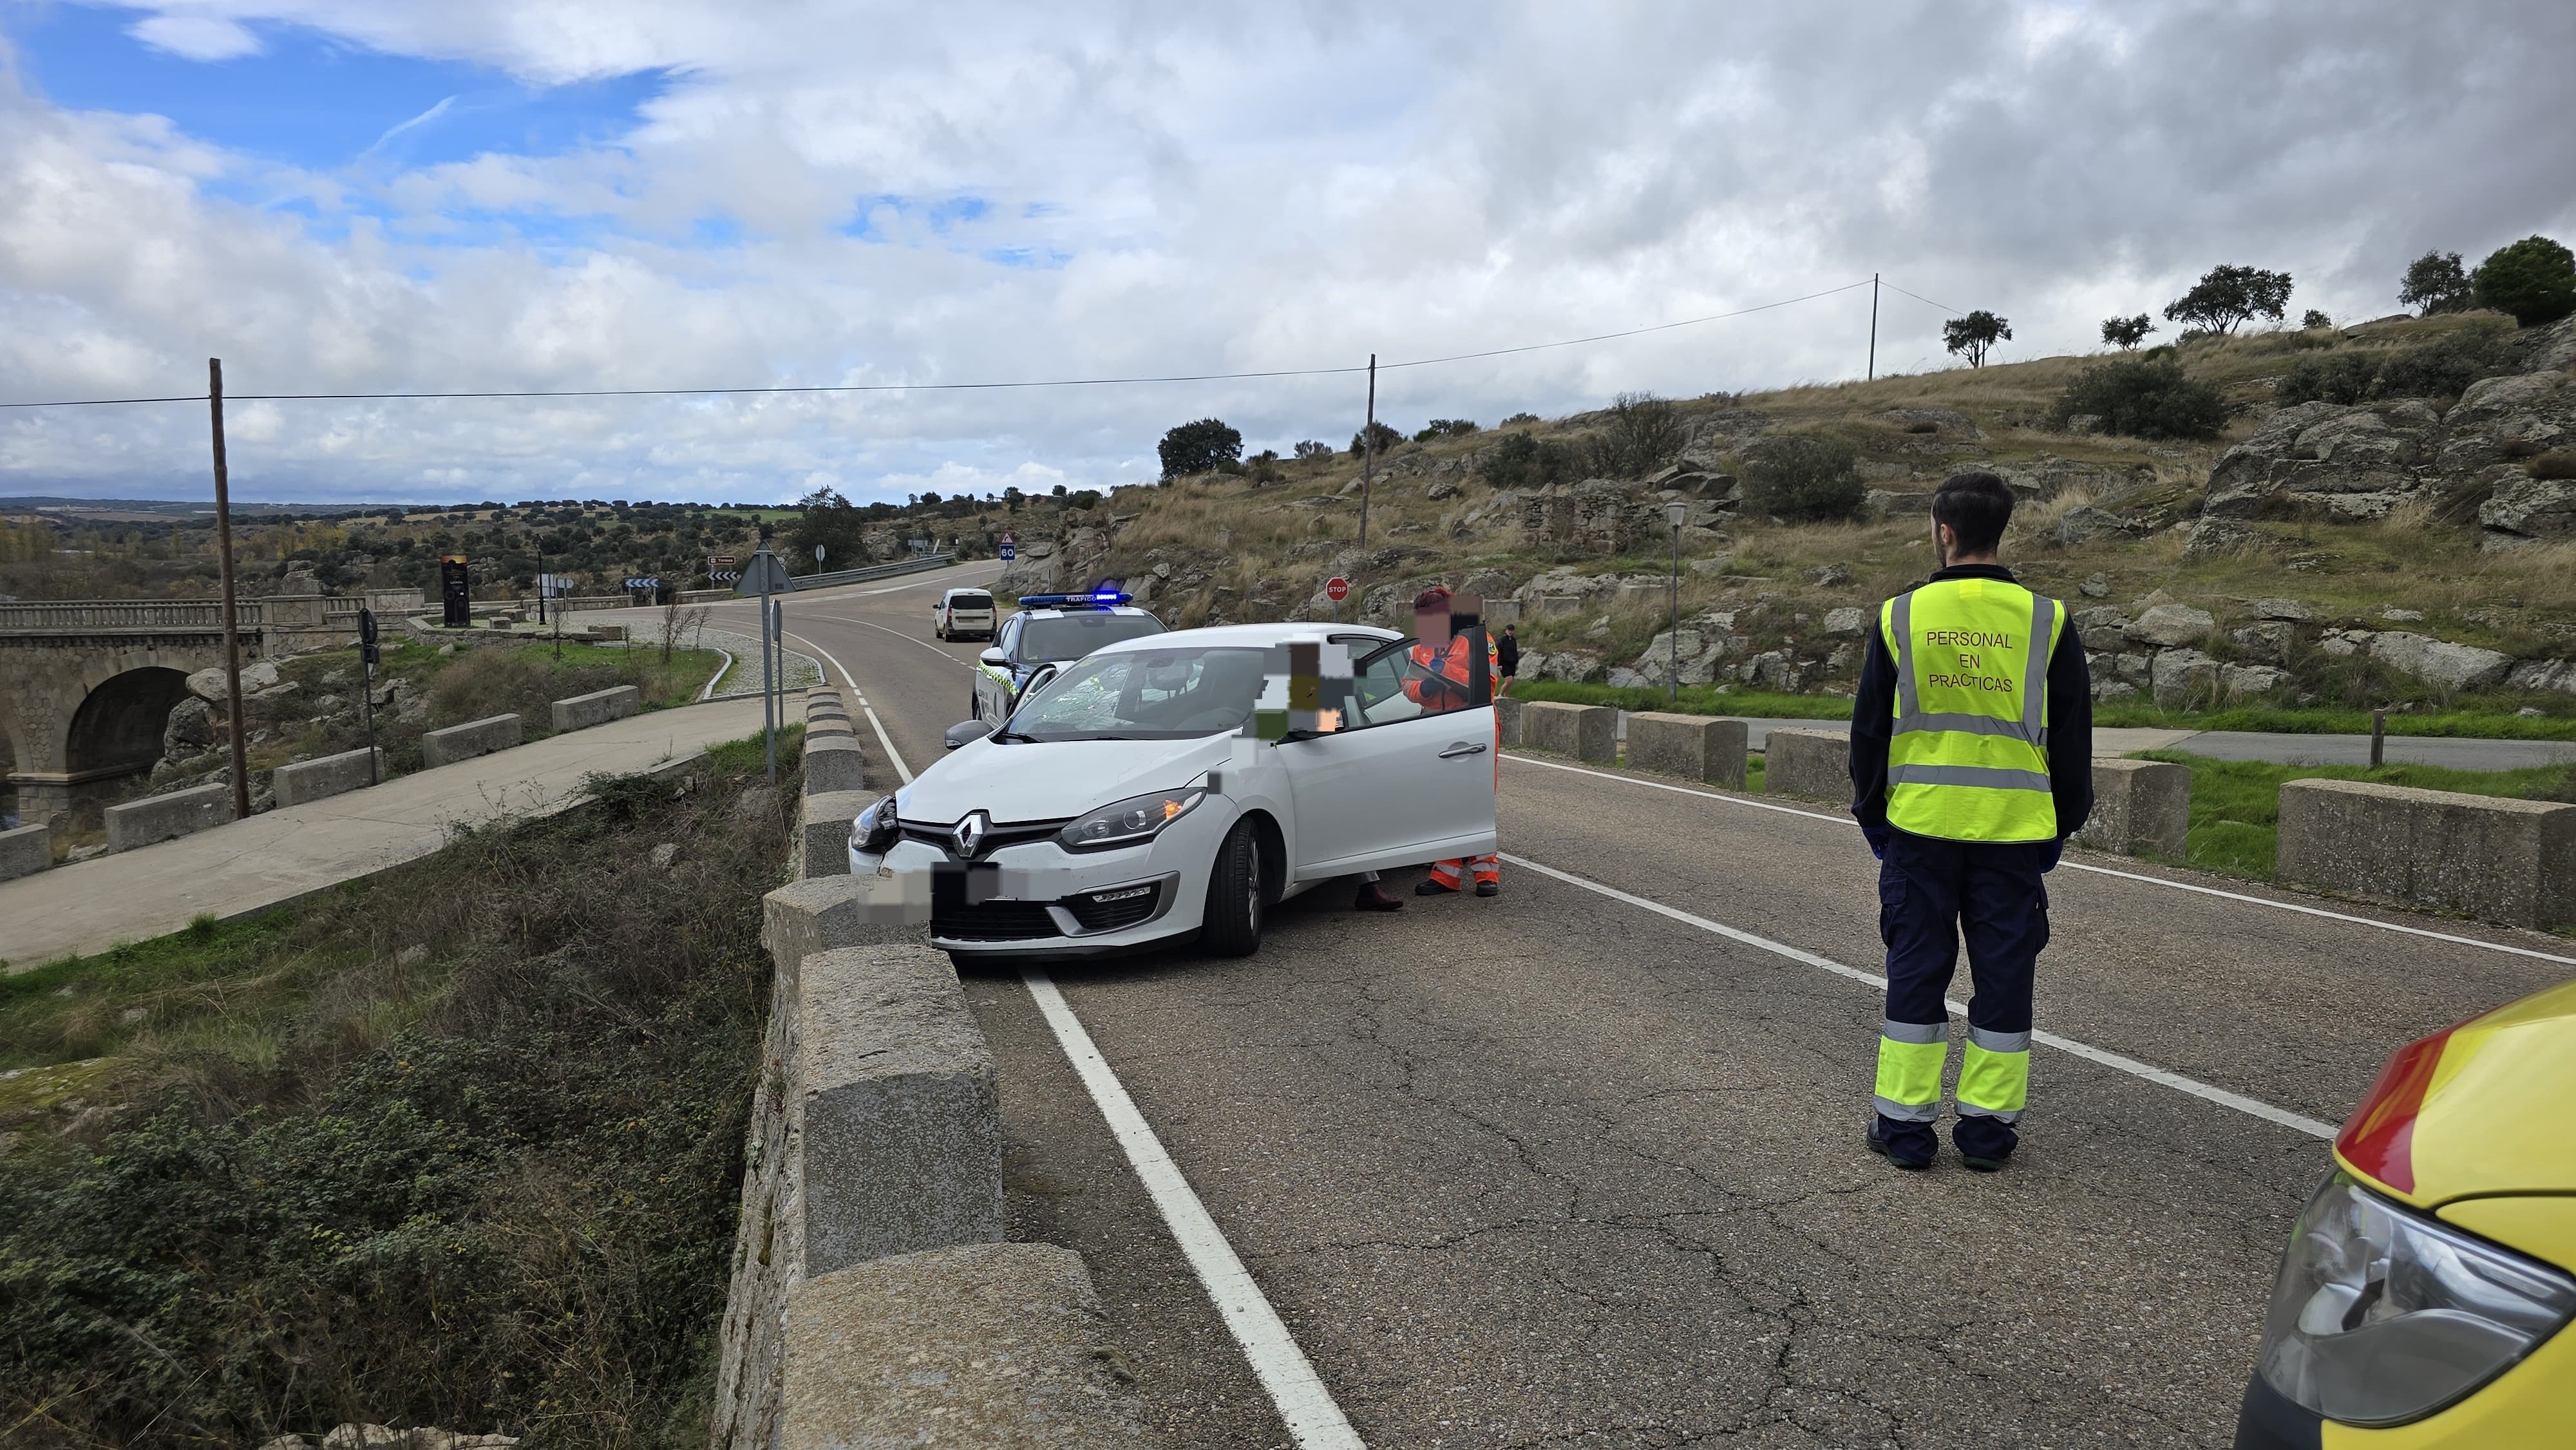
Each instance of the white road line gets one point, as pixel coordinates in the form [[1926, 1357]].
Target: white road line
[[2466, 941], [1313, 1418], [2129, 1065], [885, 740], [899, 634]]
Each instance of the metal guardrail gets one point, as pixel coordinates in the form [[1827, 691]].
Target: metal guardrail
[[875, 571]]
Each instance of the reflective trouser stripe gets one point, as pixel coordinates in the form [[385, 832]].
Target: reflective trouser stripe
[[1451, 872], [1910, 1055], [1994, 1084]]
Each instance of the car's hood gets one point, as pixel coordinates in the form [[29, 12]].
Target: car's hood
[[1054, 780], [2491, 1117]]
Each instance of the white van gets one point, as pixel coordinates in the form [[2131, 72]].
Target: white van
[[964, 614]]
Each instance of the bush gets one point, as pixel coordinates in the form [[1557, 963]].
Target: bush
[[1312, 449], [1519, 460], [1445, 428], [1642, 435], [2314, 318], [2144, 398], [2434, 282], [2534, 279], [1517, 419], [1386, 438], [2442, 368], [1802, 478], [1199, 447]]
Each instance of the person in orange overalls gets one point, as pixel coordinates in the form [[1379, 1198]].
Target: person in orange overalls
[[1443, 679]]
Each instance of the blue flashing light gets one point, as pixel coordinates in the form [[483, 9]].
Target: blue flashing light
[[1102, 599]]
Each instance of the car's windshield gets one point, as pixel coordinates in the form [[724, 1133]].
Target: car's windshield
[[1145, 694], [1071, 636]]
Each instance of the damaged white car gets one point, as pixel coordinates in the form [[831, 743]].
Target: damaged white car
[[1180, 785]]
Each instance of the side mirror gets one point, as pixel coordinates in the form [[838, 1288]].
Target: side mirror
[[966, 732], [995, 658]]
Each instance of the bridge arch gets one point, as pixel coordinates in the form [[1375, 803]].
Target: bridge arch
[[117, 728]]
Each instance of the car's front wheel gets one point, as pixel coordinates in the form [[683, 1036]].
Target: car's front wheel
[[1232, 925]]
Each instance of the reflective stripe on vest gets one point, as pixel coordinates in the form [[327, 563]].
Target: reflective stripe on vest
[[1968, 757]]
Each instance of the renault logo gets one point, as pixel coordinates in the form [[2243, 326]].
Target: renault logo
[[969, 834]]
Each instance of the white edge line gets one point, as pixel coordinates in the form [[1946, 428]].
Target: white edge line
[[722, 670], [2176, 1081], [1313, 1418], [885, 740], [2466, 941]]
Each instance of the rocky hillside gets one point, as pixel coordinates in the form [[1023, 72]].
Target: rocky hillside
[[2394, 550]]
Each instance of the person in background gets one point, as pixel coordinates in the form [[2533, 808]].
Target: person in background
[[1443, 678], [1507, 661], [1971, 763]]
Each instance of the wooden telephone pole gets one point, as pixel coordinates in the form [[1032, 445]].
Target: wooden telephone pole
[[232, 622], [1368, 450]]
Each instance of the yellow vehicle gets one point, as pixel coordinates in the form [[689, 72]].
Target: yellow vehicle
[[2425, 1295]]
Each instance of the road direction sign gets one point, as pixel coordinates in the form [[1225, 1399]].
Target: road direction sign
[[725, 576], [763, 575], [1337, 589], [644, 581]]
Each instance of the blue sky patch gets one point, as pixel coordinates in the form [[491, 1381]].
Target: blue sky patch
[[311, 101]]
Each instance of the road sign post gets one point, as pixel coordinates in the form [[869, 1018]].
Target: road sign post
[[764, 576], [368, 654], [1337, 589], [1010, 548]]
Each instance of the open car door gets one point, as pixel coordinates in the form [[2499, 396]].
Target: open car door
[[1398, 783]]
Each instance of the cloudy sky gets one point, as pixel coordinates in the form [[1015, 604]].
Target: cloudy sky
[[360, 196]]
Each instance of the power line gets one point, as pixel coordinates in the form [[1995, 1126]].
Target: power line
[[1926, 301], [938, 387]]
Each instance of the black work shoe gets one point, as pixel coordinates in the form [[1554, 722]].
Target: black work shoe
[[1373, 897], [1910, 1146], [1489, 888], [1434, 888], [1984, 1143]]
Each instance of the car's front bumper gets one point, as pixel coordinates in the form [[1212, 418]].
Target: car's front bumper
[[1037, 899]]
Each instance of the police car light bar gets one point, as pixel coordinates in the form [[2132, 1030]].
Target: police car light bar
[[1104, 599]]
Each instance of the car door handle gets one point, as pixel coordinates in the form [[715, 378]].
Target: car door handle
[[1461, 747]]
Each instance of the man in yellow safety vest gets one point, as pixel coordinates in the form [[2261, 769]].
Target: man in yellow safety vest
[[1971, 762]]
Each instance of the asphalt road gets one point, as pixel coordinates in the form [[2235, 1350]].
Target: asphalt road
[[1561, 1169]]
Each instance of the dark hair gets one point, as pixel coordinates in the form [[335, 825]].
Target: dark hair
[[1976, 506], [1435, 597]]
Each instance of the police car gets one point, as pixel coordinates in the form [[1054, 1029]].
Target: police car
[[1180, 784], [1050, 629], [963, 612]]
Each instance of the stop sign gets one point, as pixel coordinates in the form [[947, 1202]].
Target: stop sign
[[1337, 589]]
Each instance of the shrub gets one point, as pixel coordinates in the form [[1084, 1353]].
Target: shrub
[[2534, 279], [1517, 419], [2558, 464], [2144, 398], [1311, 449], [1972, 335], [2441, 368], [1385, 437], [1445, 428], [1199, 447], [2314, 318], [2227, 296], [1519, 460], [2434, 282], [1802, 478], [1642, 435], [2126, 333]]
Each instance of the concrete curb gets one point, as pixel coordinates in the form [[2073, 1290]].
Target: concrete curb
[[1586, 732], [2140, 807], [473, 738], [26, 850], [597, 708], [329, 775], [1695, 747], [2488, 857], [1815, 764], [163, 817]]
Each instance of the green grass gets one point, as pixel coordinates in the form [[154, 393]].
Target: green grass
[[459, 1144], [2472, 724], [2236, 804]]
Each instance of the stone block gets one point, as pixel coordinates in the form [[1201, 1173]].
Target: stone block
[[597, 708], [833, 763], [1587, 732], [826, 913], [2510, 861], [825, 830], [1694, 747], [817, 729], [162, 817], [1811, 763], [26, 850], [611, 633], [311, 780], [2140, 808], [473, 738], [1507, 720], [898, 1115], [1001, 1345]]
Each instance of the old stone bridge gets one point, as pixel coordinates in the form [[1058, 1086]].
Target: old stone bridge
[[86, 686]]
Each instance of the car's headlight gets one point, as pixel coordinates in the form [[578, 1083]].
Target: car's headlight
[[1129, 822], [876, 830], [2384, 1315]]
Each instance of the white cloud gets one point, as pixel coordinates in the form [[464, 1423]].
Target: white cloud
[[1169, 187], [197, 37]]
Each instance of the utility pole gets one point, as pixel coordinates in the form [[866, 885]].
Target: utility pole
[[1675, 513], [1368, 450], [232, 622], [1873, 328]]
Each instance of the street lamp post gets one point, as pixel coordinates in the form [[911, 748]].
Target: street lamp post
[[1674, 513]]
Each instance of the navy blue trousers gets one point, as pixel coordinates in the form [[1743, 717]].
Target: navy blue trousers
[[1931, 893]]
